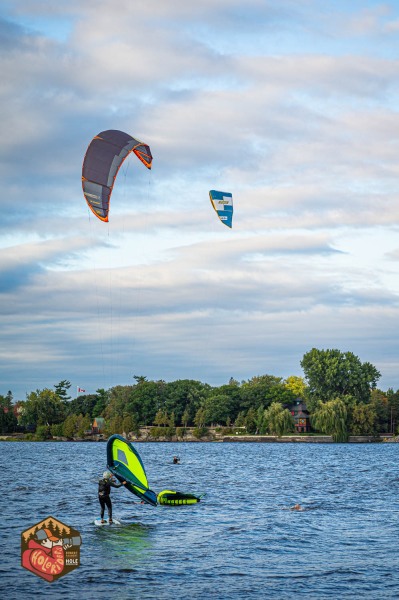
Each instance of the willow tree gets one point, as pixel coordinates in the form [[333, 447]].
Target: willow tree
[[332, 418], [278, 420]]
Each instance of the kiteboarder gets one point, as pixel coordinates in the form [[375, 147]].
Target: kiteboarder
[[104, 491], [176, 460]]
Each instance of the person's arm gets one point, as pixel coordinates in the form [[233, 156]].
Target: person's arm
[[115, 485]]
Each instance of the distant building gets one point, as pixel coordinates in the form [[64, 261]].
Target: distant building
[[98, 426], [301, 416]]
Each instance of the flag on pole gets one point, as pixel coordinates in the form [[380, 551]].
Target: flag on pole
[[81, 390]]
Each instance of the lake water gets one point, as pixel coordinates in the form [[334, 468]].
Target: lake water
[[239, 542]]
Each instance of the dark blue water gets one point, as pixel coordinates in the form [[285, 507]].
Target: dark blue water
[[240, 541]]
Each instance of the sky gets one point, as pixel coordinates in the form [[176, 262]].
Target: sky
[[292, 106]]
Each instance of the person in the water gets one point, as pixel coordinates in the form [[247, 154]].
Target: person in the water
[[176, 460], [296, 507], [104, 491]]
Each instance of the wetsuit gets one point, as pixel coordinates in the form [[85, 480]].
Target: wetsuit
[[104, 490]]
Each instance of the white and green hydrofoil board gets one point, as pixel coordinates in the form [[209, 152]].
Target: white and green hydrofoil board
[[106, 522]]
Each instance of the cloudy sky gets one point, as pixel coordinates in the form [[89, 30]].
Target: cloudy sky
[[291, 105]]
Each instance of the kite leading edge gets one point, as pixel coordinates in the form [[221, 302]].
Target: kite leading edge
[[104, 156]]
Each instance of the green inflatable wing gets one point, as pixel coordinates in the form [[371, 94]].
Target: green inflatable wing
[[172, 498], [125, 463]]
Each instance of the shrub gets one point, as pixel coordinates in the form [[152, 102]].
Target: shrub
[[42, 433], [200, 432], [57, 430]]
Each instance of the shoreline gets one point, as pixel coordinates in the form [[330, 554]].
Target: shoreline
[[242, 439]]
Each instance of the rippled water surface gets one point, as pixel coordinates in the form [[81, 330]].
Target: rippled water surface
[[239, 542]]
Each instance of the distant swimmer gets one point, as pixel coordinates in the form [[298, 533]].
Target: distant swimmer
[[296, 507], [176, 460]]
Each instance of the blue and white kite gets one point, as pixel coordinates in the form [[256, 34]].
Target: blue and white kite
[[222, 202]]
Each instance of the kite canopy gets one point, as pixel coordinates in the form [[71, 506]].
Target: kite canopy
[[104, 156], [125, 463], [222, 202]]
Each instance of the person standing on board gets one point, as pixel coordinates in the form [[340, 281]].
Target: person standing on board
[[104, 494]]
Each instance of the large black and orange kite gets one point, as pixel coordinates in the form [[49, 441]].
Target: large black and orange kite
[[104, 156]]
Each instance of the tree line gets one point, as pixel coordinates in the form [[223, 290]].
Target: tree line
[[340, 393]]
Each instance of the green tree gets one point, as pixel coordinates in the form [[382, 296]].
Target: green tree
[[240, 420], [250, 421], [130, 425], [42, 433], [380, 403], [393, 409], [332, 418], [114, 425], [296, 385], [219, 408], [57, 430], [260, 420], [61, 389], [144, 400], [83, 425], [75, 426], [200, 418], [102, 399], [332, 374], [183, 395], [43, 407], [262, 391], [185, 418], [8, 421], [161, 418], [69, 426], [118, 406], [84, 405], [363, 420], [278, 419]]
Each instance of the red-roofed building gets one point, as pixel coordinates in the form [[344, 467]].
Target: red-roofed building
[[98, 426]]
